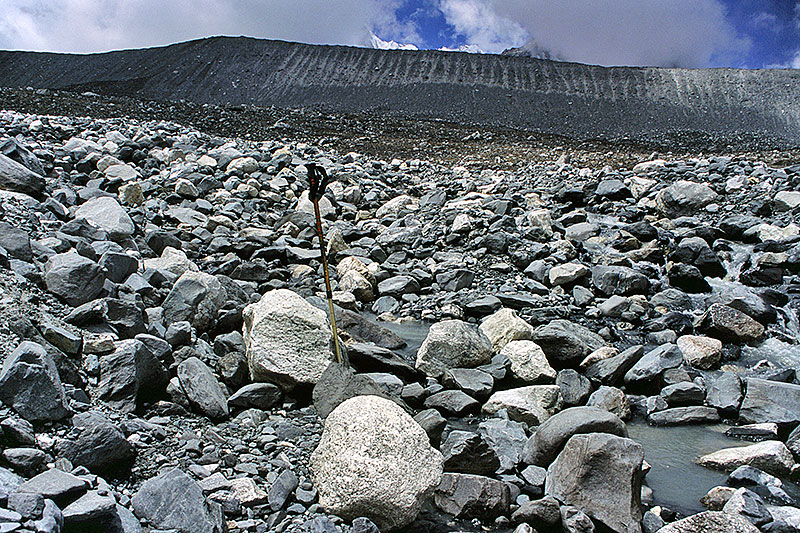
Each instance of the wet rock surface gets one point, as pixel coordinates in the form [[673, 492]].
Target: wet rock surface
[[168, 361]]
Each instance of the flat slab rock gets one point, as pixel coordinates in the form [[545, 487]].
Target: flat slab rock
[[54, 484], [771, 456], [770, 401], [710, 522], [678, 416]]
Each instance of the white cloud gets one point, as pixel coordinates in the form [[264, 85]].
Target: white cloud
[[685, 33], [483, 27], [794, 62], [98, 25], [767, 21], [797, 15]]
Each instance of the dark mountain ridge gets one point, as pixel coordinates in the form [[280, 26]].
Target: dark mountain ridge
[[583, 101]]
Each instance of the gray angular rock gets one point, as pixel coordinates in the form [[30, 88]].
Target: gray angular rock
[[581, 231], [202, 389], [196, 297], [565, 343], [18, 431], [262, 396], [288, 340], [619, 280], [52, 520], [55, 485], [16, 242], [544, 514], [28, 505], [374, 461], [785, 519], [24, 460], [397, 286], [755, 432], [29, 382], [130, 376], [433, 423], [280, 490], [476, 383], [683, 393], [729, 325], [339, 383], [749, 505], [549, 439], [452, 344], [452, 402], [575, 388], [613, 189], [507, 438], [468, 453], [611, 399], [770, 401], [97, 444], [73, 278], [455, 280], [687, 278], [468, 495], [173, 500], [684, 198], [793, 442], [612, 370], [653, 364], [725, 394], [588, 465], [91, 507], [696, 251], [118, 265], [16, 178], [764, 484], [106, 213]]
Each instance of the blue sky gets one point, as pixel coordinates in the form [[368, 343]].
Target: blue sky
[[671, 33]]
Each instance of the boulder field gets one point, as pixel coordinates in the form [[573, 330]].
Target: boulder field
[[167, 355]]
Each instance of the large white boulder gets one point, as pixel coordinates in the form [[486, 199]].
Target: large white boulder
[[288, 341], [374, 460]]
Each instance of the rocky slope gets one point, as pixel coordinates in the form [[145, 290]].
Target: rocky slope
[[723, 106], [166, 353]]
